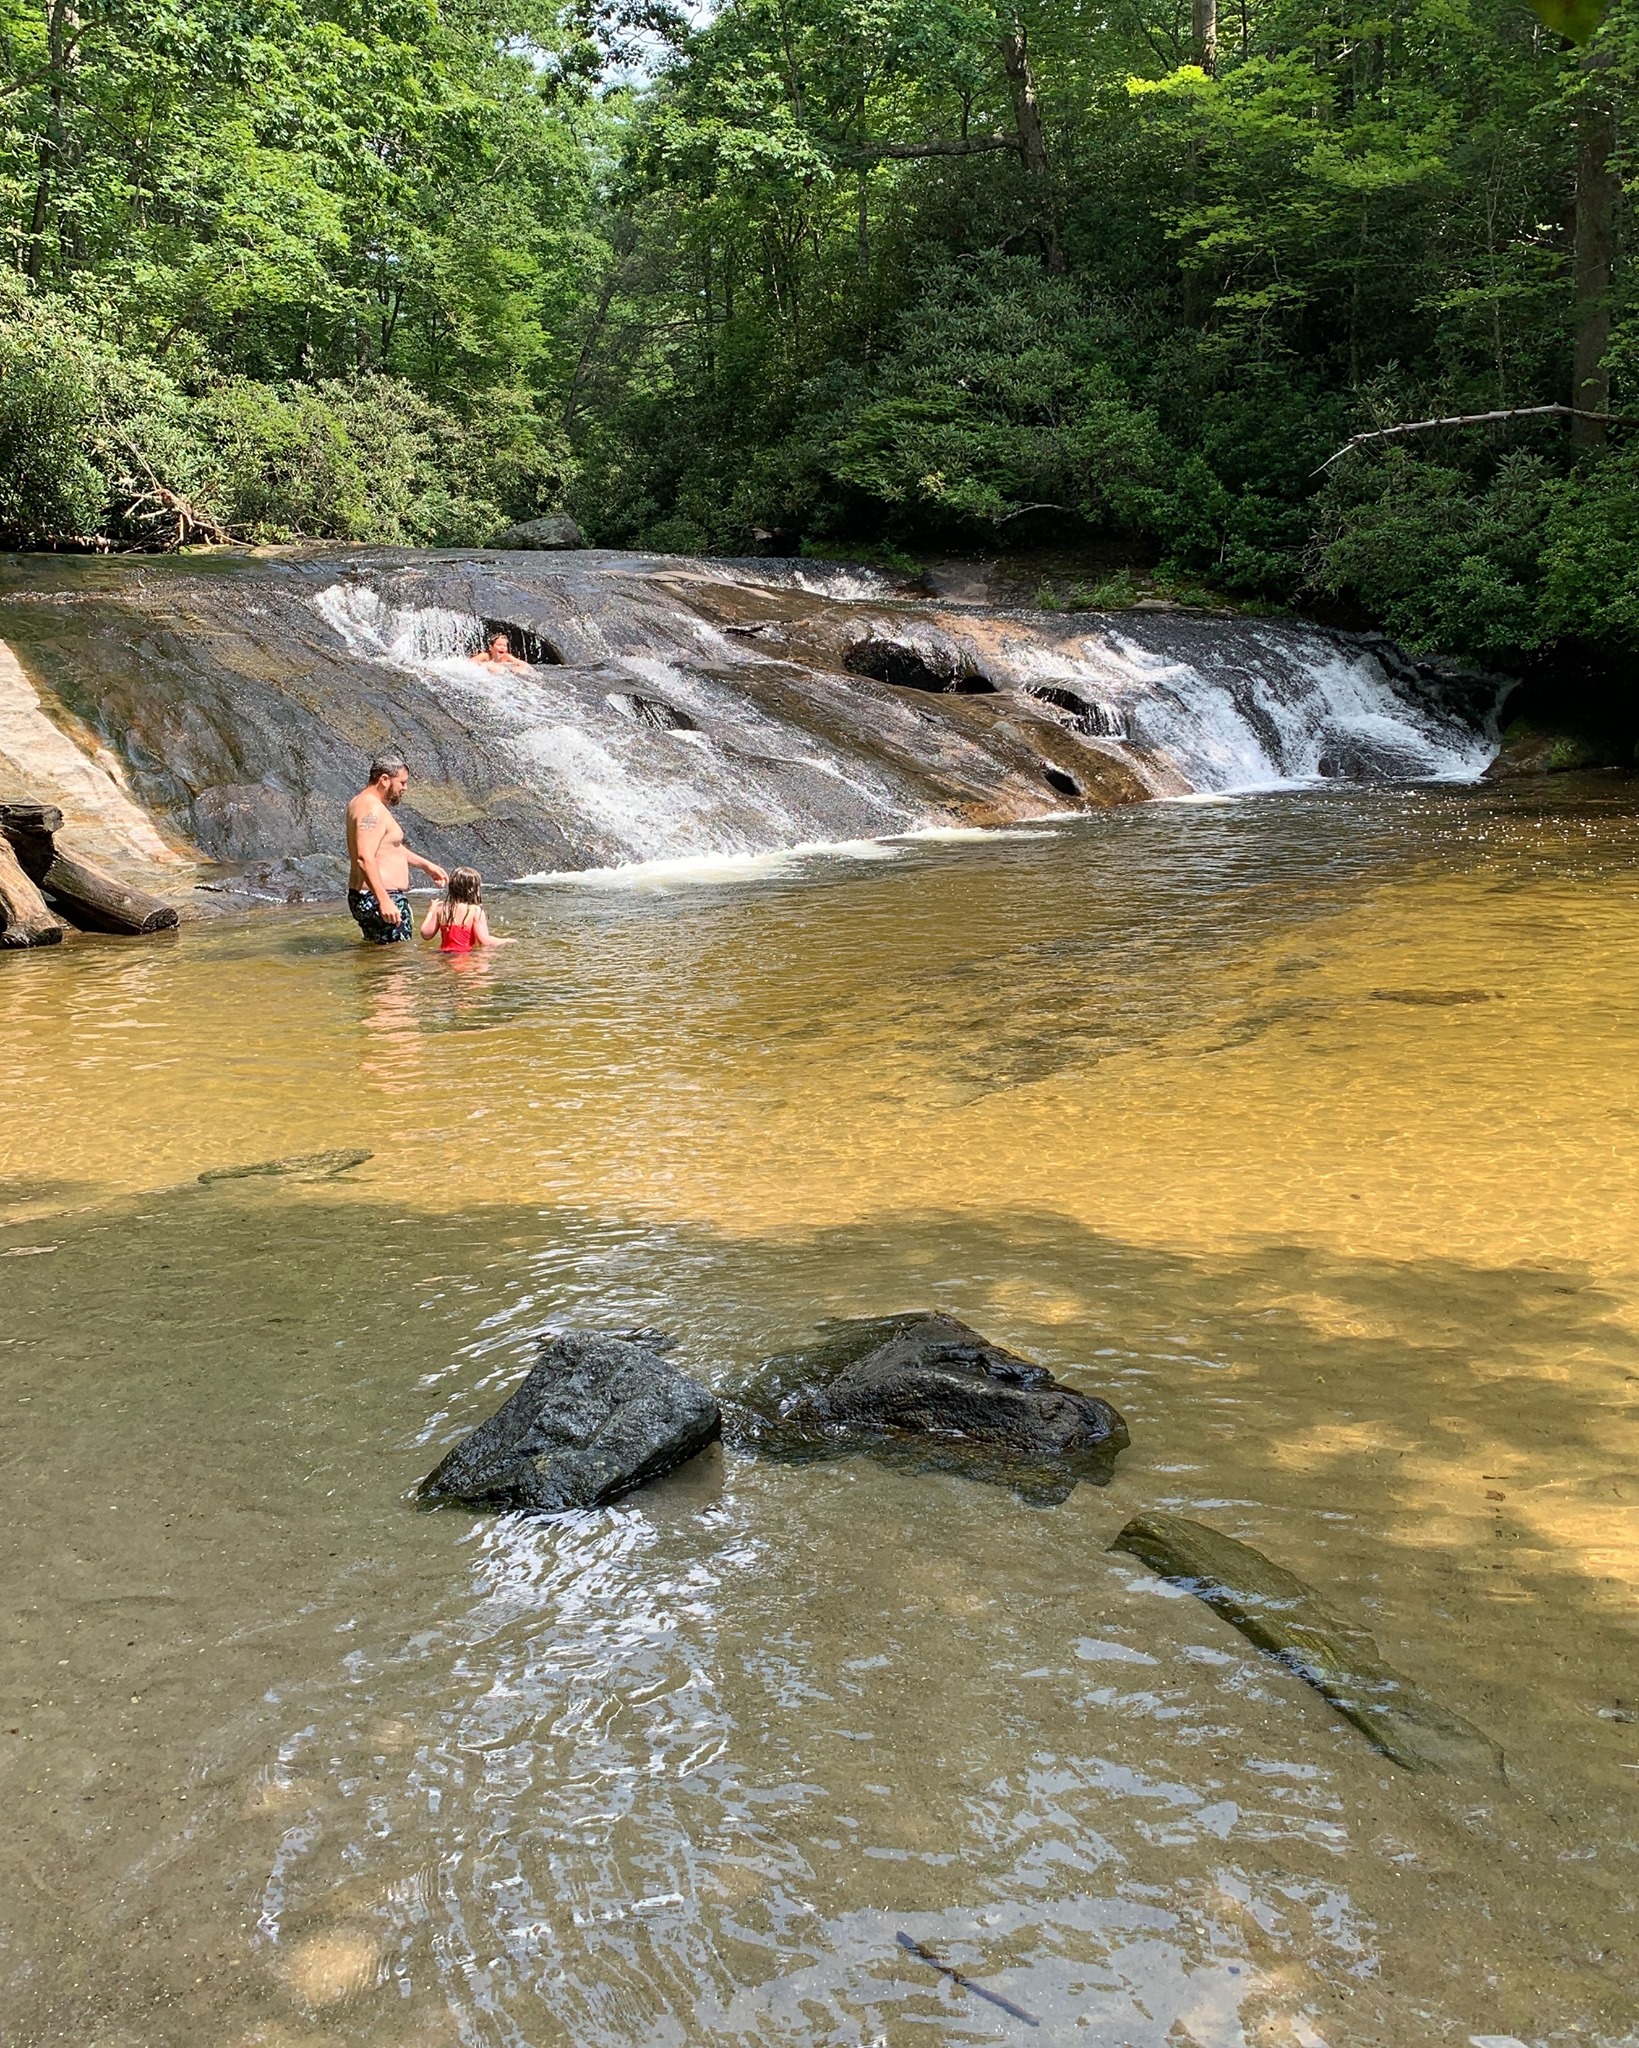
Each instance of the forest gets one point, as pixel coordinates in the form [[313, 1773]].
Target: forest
[[1118, 278]]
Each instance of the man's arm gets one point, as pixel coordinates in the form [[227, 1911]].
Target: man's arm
[[427, 867]]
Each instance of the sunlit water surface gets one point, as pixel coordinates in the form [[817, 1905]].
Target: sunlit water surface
[[1303, 1127]]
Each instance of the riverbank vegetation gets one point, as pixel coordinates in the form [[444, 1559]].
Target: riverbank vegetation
[[945, 274]]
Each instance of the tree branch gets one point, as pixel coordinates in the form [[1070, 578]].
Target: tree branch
[[1470, 419]]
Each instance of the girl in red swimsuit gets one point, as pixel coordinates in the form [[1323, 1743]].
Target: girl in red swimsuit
[[457, 917]]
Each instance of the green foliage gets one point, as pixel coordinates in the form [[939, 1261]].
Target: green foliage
[[49, 482], [997, 396], [847, 275], [1577, 19], [1438, 563], [86, 433]]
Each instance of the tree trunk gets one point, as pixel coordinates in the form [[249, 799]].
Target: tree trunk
[[1032, 142], [88, 898], [24, 918], [1598, 188], [1204, 35]]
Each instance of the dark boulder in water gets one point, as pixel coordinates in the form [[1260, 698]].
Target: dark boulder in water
[[928, 1391], [1281, 1614], [597, 1416]]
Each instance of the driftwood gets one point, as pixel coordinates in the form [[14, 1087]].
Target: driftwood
[[1471, 419], [172, 521], [30, 818], [83, 894], [24, 918]]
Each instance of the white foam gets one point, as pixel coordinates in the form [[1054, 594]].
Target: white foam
[[952, 835], [1256, 707], [714, 869]]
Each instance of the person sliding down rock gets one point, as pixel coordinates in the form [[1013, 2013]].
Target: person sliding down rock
[[378, 878], [497, 653]]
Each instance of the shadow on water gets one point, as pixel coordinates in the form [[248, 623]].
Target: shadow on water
[[295, 1756]]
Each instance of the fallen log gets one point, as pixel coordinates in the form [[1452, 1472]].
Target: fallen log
[[88, 898], [1275, 1609], [97, 903], [24, 918], [30, 818]]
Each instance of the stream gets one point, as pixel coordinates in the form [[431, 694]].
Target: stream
[[1302, 1125]]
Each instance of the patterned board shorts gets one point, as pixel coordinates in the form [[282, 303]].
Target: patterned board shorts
[[379, 930]]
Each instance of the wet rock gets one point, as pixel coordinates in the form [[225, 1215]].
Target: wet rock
[[1276, 1610], [1085, 714], [239, 821], [301, 1166], [556, 530], [1531, 749], [942, 670], [297, 878], [650, 711], [597, 1416], [939, 1395]]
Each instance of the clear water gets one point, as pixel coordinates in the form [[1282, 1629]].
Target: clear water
[[1303, 1127]]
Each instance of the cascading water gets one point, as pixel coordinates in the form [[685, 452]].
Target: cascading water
[[677, 708]]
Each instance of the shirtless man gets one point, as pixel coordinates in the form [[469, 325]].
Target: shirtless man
[[499, 654], [379, 876]]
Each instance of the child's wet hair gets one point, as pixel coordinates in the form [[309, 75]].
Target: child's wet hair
[[466, 885]]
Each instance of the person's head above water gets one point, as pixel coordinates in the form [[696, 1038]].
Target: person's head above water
[[500, 645], [389, 774], [465, 885]]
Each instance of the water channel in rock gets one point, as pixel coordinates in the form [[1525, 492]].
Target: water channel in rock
[[1303, 1126]]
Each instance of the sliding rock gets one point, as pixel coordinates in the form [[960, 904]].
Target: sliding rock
[[24, 918], [1282, 1615], [597, 1416]]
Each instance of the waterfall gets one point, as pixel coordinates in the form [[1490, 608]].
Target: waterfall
[[643, 758], [651, 733], [676, 709]]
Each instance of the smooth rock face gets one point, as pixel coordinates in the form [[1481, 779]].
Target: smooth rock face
[[1281, 1614], [928, 1381], [556, 530], [597, 1416]]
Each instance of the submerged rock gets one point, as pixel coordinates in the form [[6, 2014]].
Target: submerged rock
[[937, 1394], [597, 1416], [1278, 1612], [300, 1166]]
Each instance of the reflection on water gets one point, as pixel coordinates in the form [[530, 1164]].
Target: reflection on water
[[288, 1763]]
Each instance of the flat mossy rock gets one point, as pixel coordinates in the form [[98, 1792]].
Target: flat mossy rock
[[935, 1394], [597, 1416], [1281, 1614], [300, 1166]]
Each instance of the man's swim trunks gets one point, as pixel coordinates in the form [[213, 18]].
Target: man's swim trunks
[[379, 930]]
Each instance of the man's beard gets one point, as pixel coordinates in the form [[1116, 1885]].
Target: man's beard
[[395, 797]]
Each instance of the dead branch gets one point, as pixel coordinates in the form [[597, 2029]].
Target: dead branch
[[1470, 419], [159, 504]]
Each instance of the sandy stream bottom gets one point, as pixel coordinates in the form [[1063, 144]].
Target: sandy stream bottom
[[1302, 1127]]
